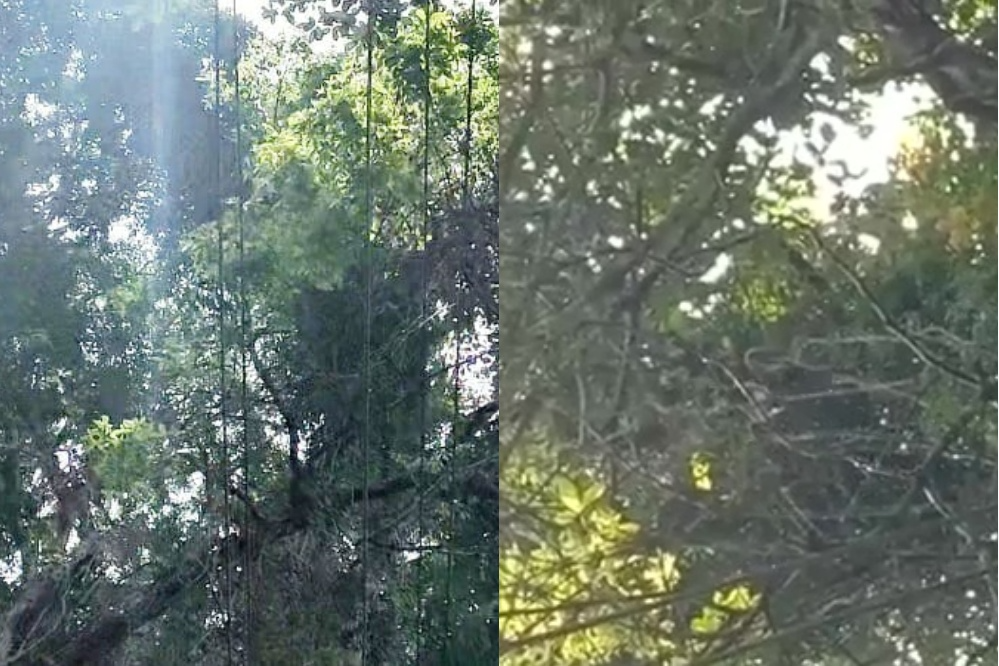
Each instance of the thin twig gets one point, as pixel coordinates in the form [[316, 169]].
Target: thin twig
[[888, 322]]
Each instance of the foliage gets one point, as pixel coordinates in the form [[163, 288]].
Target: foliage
[[697, 287], [186, 432]]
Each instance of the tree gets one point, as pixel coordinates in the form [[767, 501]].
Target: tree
[[773, 417], [187, 525]]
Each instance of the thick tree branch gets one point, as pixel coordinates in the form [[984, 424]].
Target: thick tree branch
[[671, 236], [277, 398], [962, 76], [511, 157], [96, 639], [474, 483], [88, 645]]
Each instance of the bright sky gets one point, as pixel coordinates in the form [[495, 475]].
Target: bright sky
[[253, 10], [866, 158]]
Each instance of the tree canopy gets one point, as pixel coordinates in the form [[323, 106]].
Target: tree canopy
[[749, 390], [248, 328]]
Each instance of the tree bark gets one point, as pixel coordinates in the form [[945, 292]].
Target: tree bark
[[962, 74], [90, 644]]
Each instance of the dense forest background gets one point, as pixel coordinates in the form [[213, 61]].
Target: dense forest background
[[749, 391], [248, 335]]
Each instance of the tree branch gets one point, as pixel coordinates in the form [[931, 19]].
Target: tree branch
[[88, 645], [888, 322], [91, 643], [695, 204], [962, 76], [844, 614]]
